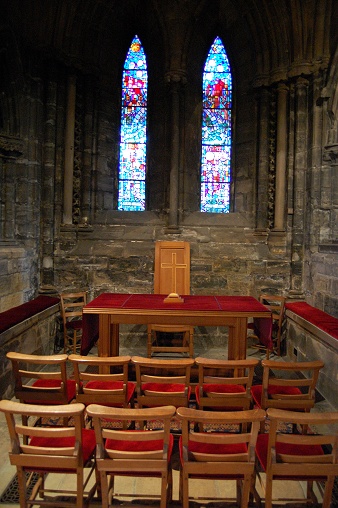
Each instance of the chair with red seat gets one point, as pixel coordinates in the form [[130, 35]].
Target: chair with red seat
[[219, 453], [71, 311], [295, 456], [287, 385], [161, 382], [48, 450], [103, 380], [224, 384], [139, 452], [276, 304], [41, 379]]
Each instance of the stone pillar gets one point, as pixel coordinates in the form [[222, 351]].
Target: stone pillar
[[89, 150], [300, 189], [48, 182], [175, 79], [263, 160], [281, 157], [69, 151], [175, 153]]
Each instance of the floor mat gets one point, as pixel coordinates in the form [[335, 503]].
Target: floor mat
[[11, 493]]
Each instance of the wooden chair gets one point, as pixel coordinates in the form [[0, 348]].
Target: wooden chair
[[224, 384], [276, 304], [71, 311], [161, 382], [50, 449], [171, 275], [133, 453], [41, 379], [95, 387], [219, 455], [288, 456], [287, 385]]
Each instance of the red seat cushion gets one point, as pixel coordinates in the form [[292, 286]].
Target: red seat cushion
[[140, 446], [287, 448], [219, 388], [256, 391], [54, 383], [88, 444], [74, 325], [213, 448], [165, 387], [112, 385]]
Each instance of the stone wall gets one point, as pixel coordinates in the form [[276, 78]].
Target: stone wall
[[17, 268], [324, 279], [120, 258]]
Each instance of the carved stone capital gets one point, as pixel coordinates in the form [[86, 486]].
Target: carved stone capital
[[10, 146], [176, 76], [330, 154]]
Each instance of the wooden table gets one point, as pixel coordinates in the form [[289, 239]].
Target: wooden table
[[103, 315]]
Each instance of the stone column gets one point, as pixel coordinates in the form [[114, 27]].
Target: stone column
[[48, 182], [175, 152], [263, 161], [89, 150], [281, 156], [69, 150], [175, 80], [300, 197]]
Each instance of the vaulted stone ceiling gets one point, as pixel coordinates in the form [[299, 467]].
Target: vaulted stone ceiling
[[280, 38]]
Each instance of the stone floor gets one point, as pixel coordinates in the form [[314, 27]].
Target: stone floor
[[284, 492]]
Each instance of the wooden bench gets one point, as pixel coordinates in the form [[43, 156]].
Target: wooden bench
[[312, 334], [28, 328]]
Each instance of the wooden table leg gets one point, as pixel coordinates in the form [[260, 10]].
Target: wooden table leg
[[237, 343], [114, 339]]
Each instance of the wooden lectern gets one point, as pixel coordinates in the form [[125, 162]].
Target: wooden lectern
[[171, 277]]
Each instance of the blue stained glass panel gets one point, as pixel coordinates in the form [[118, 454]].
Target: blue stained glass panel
[[134, 127], [215, 197], [216, 166], [132, 193], [133, 136], [216, 131], [132, 161]]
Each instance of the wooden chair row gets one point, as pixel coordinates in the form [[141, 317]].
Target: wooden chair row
[[222, 384], [228, 453]]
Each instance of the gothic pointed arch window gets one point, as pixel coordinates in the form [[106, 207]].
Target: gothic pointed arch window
[[216, 131], [133, 134]]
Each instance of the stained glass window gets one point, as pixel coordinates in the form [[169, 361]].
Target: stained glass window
[[216, 131], [132, 164]]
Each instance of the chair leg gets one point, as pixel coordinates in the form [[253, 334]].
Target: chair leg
[[149, 343], [104, 480], [79, 489], [164, 484], [246, 487], [22, 487], [191, 345], [268, 492], [185, 489], [328, 492], [254, 496]]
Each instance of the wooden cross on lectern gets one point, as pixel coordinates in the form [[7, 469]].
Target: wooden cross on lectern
[[172, 268]]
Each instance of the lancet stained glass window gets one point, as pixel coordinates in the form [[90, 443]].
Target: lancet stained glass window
[[132, 164], [216, 131]]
